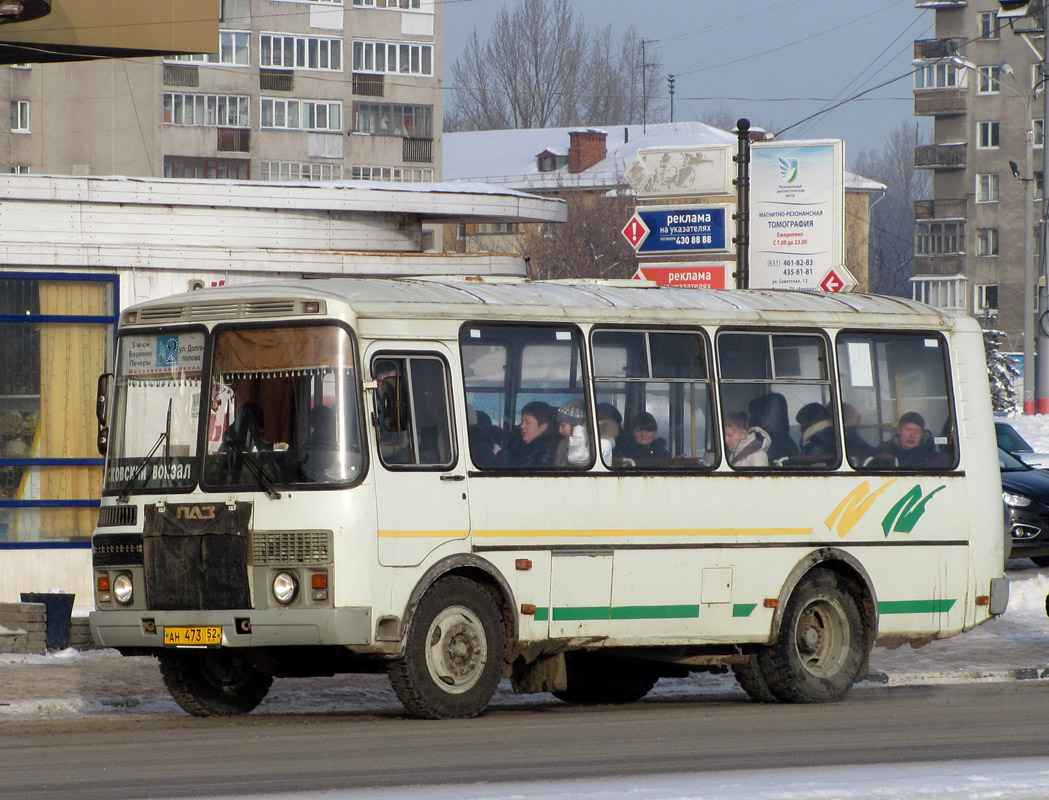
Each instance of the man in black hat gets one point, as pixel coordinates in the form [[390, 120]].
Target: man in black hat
[[912, 446]]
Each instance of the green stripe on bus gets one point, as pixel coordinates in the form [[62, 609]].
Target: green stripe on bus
[[743, 609], [915, 606], [579, 613]]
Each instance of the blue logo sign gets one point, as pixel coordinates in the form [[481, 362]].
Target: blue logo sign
[[683, 229]]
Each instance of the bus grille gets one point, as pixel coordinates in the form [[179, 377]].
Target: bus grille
[[290, 547], [116, 550], [112, 516], [186, 312]]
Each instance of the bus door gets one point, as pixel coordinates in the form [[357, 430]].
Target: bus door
[[420, 481]]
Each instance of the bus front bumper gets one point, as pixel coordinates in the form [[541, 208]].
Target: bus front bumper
[[239, 627]]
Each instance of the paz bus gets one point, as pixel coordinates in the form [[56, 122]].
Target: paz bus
[[458, 481]]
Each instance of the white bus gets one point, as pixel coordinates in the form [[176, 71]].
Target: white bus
[[582, 486]]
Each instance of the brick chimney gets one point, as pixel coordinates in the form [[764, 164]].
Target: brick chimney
[[585, 149]]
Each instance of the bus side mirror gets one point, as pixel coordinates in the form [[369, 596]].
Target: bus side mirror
[[102, 410], [394, 403]]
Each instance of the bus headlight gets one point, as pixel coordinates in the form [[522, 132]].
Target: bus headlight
[[285, 587], [123, 588], [1016, 500]]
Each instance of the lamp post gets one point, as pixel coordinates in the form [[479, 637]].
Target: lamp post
[[1030, 292]]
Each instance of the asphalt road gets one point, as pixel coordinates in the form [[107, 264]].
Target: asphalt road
[[139, 756]]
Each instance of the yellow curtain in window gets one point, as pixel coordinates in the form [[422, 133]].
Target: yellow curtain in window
[[72, 356]]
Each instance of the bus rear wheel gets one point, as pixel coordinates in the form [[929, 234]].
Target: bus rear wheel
[[595, 679], [454, 653], [213, 683], [822, 647]]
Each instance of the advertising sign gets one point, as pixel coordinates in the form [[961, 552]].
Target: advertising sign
[[675, 229], [689, 170], [688, 276], [797, 214]]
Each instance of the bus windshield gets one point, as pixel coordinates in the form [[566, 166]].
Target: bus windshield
[[282, 411]]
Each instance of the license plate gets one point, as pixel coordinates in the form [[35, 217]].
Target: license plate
[[200, 636]]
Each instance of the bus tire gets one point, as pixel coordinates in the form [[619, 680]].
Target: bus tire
[[213, 683], [594, 679], [822, 644], [751, 680], [454, 653]]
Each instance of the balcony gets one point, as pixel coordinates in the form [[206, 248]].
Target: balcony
[[939, 102], [276, 80], [929, 49], [181, 75], [940, 156], [416, 150], [956, 208], [945, 4], [234, 140], [364, 83], [940, 264]]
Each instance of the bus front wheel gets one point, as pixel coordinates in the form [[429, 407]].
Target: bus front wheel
[[822, 646], [454, 653], [213, 683]]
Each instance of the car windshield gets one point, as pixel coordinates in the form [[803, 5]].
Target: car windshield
[[1009, 439], [1008, 463]]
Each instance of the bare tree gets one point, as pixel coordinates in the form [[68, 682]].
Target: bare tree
[[589, 245], [542, 67], [892, 217]]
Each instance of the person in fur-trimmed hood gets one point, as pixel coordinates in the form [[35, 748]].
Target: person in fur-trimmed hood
[[745, 446], [818, 437]]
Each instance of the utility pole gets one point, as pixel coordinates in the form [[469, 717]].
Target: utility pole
[[644, 86], [1042, 371], [670, 87]]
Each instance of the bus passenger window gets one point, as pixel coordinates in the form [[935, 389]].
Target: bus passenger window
[[779, 384], [896, 403], [412, 413], [653, 400], [526, 404]]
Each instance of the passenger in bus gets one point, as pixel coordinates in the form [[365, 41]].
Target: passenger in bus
[[769, 412], [912, 446], [609, 426], [641, 445], [817, 432], [535, 443], [745, 445], [393, 443], [858, 449], [246, 432], [573, 450], [484, 437]]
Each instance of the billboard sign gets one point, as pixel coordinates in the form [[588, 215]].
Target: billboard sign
[[677, 229], [797, 213], [688, 276]]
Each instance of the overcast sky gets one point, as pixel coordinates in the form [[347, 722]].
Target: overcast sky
[[772, 61]]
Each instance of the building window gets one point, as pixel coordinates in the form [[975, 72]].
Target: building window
[[987, 135], [1038, 127], [20, 169], [233, 51], [985, 298], [990, 78], [990, 27], [938, 238], [987, 187], [389, 119], [307, 115], [20, 116], [228, 110], [937, 75], [1038, 190], [404, 58], [987, 242], [208, 168], [497, 227], [298, 171], [403, 5], [392, 174], [20, 66], [286, 51], [940, 292]]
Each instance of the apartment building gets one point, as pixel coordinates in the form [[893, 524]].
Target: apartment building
[[976, 80], [295, 90]]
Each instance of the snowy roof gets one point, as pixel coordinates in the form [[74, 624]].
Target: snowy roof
[[508, 158]]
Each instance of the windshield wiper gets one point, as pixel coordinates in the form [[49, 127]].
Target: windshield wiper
[[251, 461], [146, 462]]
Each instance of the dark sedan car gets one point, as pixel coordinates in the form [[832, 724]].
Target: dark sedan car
[[1026, 495]]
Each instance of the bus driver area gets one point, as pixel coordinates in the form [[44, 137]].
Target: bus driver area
[[584, 487]]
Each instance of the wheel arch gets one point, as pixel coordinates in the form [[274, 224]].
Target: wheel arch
[[479, 570], [843, 564]]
